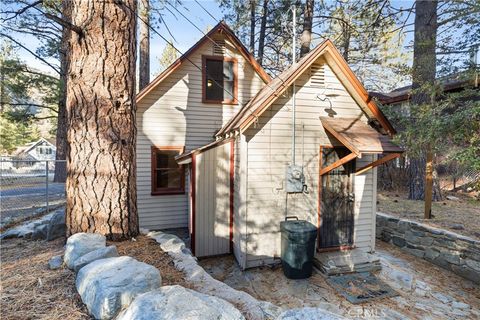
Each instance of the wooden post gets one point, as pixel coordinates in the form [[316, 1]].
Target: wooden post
[[428, 183]]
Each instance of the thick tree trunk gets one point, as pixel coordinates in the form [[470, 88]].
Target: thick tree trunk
[[60, 174], [144, 34], [252, 26], [423, 80], [306, 37], [101, 178], [263, 27]]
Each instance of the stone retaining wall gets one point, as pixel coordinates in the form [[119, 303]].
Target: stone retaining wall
[[449, 250]]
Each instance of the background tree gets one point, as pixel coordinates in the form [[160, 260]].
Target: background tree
[[42, 19], [101, 181], [144, 43], [423, 80], [263, 29], [306, 37], [441, 130], [27, 101], [169, 55]]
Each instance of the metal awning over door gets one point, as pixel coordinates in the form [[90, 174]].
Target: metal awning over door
[[360, 139]]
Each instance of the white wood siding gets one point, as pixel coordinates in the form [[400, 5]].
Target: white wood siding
[[173, 115], [269, 152], [240, 200], [212, 202]]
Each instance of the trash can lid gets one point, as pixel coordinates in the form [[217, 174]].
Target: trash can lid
[[297, 226]]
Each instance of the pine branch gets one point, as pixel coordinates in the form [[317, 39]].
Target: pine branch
[[22, 10], [31, 52], [32, 105]]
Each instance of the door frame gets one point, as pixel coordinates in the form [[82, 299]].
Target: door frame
[[319, 204]]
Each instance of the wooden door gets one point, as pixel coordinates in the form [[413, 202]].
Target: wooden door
[[336, 200], [212, 202]]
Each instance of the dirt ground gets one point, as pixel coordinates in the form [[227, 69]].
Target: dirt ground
[[425, 291], [29, 290], [461, 216]]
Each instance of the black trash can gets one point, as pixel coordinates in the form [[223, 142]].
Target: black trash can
[[298, 247]]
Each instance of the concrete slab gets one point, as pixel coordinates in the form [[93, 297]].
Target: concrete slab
[[346, 261]]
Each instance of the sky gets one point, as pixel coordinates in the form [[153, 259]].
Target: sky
[[184, 32]]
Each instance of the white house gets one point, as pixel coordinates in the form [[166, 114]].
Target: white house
[[228, 152], [38, 150]]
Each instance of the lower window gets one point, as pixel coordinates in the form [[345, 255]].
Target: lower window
[[168, 177]]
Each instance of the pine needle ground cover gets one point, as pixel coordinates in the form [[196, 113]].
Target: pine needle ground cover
[[461, 216], [29, 290]]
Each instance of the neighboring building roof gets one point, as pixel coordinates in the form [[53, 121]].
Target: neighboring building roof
[[450, 83], [275, 88], [221, 27], [29, 146]]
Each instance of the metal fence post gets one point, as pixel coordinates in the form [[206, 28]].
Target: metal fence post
[[46, 183]]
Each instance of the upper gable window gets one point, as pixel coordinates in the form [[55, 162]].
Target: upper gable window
[[219, 79]]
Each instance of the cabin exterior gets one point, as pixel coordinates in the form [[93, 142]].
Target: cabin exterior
[[174, 117], [304, 144]]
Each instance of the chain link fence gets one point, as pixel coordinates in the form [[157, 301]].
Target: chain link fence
[[29, 188]]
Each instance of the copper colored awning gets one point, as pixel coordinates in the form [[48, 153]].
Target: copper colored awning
[[360, 139]]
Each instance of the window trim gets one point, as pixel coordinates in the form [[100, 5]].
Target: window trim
[[235, 79], [165, 191]]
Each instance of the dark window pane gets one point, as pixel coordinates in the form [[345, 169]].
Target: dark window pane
[[228, 80], [214, 78], [228, 85], [169, 178], [166, 159], [168, 174]]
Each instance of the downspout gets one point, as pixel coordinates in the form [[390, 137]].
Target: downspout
[[293, 93]]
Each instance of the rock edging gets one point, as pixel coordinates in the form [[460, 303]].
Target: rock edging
[[205, 283], [449, 250]]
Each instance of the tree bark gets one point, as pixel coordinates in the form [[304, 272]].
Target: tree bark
[[428, 183], [263, 27], [252, 26], [144, 34], [306, 37], [60, 173], [101, 177], [423, 80], [345, 41], [416, 175]]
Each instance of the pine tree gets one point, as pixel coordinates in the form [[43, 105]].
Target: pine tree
[[169, 55], [101, 181]]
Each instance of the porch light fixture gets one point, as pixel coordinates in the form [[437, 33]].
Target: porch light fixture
[[327, 97]]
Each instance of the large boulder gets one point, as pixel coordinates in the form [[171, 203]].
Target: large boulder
[[179, 303], [56, 226], [39, 232], [309, 313], [102, 253], [80, 244], [108, 285]]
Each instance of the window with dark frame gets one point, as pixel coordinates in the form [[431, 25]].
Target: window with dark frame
[[219, 79], [168, 177]]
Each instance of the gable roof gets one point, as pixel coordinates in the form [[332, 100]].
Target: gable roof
[[275, 88], [221, 27], [29, 146], [451, 83]]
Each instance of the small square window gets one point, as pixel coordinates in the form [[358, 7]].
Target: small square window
[[168, 177], [219, 80]]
